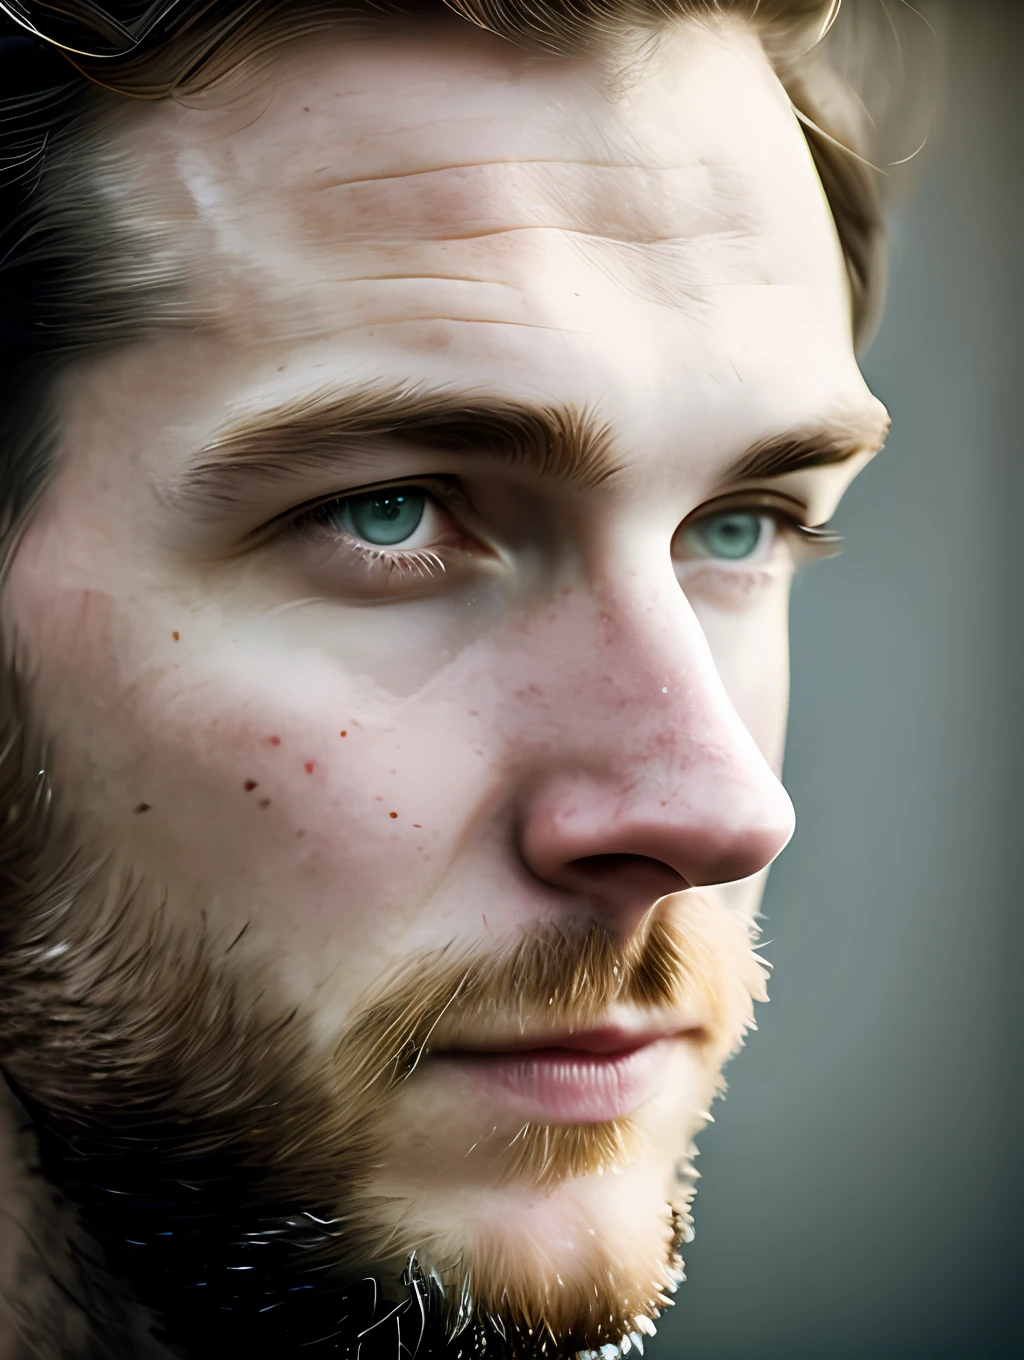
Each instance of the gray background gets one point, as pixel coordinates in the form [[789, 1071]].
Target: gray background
[[860, 1196]]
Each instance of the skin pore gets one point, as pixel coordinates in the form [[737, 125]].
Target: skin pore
[[533, 687]]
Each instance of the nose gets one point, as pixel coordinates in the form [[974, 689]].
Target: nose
[[658, 786]]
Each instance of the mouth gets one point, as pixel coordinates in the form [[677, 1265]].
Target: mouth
[[587, 1077]]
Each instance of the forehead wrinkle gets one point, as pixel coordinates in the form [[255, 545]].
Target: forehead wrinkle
[[659, 240], [513, 261], [307, 244], [636, 205], [654, 217]]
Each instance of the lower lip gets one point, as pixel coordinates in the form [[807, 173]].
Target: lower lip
[[565, 1086]]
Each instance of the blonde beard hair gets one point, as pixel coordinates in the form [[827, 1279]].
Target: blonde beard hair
[[688, 949]]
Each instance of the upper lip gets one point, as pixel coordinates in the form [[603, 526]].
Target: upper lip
[[599, 1040]]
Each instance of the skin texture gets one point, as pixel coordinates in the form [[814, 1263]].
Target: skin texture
[[566, 724]]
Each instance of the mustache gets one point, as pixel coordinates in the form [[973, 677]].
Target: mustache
[[686, 955]]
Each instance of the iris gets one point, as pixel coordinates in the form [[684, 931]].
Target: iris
[[731, 536], [386, 517]]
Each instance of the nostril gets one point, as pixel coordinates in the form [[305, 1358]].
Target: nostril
[[640, 871]]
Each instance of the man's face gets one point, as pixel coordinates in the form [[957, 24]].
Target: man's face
[[422, 605]]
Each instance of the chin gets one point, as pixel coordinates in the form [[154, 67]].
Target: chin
[[565, 1238], [587, 1262]]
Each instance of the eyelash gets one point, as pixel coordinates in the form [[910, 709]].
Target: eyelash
[[422, 562]]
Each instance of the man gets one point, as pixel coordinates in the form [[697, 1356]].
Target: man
[[412, 425]]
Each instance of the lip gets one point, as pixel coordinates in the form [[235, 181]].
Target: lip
[[584, 1078]]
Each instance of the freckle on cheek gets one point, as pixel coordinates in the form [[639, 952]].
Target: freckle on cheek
[[344, 733], [392, 814], [141, 807], [264, 803], [176, 636], [249, 785]]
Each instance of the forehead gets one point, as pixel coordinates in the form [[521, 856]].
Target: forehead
[[443, 198]]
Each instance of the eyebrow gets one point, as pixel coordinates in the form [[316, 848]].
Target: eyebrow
[[836, 439], [568, 444]]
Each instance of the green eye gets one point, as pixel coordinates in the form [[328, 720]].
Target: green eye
[[732, 536], [384, 517]]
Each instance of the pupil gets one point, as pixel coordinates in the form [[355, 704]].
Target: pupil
[[386, 518], [732, 536]]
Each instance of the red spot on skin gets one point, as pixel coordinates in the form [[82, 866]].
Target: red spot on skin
[[249, 785], [274, 741], [141, 807], [418, 826], [528, 691], [344, 733], [309, 767], [300, 833], [264, 803], [392, 814], [176, 636]]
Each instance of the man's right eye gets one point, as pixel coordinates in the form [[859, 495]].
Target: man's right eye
[[389, 540], [389, 517]]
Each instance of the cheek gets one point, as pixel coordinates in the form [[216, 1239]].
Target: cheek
[[265, 778]]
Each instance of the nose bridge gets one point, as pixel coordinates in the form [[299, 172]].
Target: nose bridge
[[627, 682]]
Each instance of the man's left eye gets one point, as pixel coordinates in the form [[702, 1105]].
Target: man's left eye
[[733, 536], [744, 537]]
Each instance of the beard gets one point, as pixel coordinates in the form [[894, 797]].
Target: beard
[[251, 1183]]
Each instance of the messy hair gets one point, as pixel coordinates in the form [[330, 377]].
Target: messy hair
[[81, 272]]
